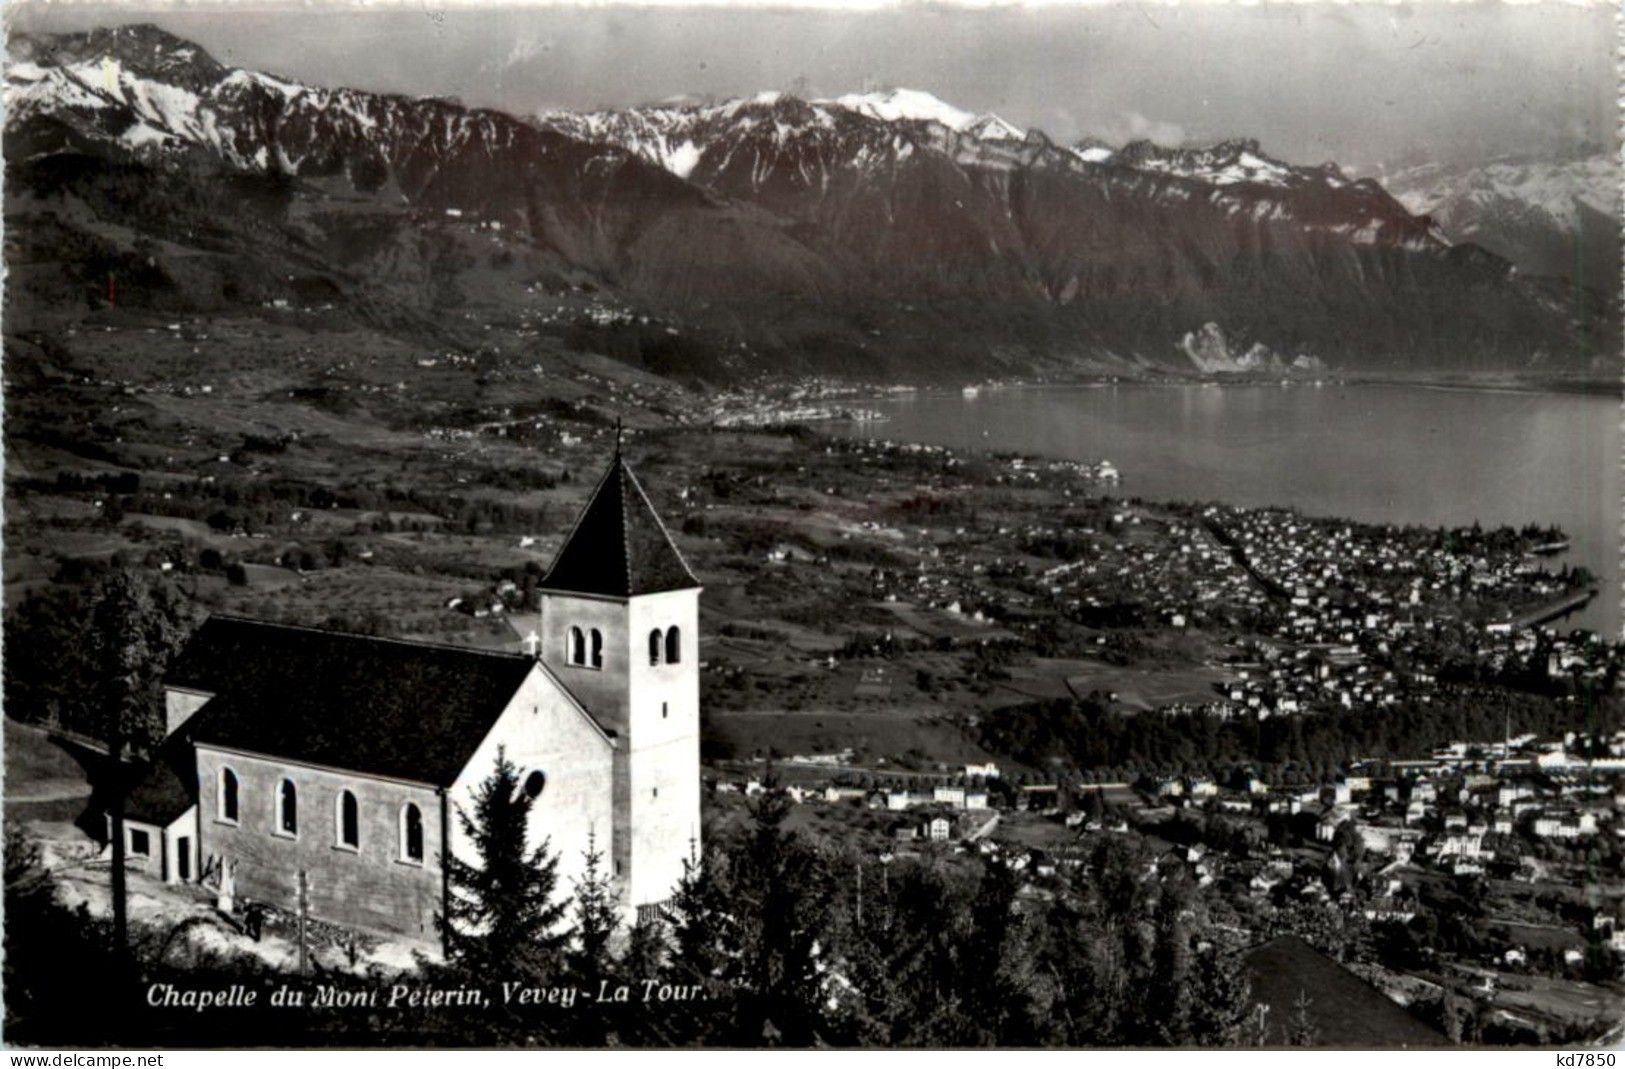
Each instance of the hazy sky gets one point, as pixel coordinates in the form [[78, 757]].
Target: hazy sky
[[1358, 83]]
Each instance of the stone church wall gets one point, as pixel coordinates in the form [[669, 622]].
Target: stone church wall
[[372, 886], [543, 731]]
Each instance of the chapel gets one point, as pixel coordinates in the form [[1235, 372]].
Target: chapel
[[298, 756]]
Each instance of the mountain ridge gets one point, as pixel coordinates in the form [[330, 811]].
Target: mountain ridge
[[890, 235], [1549, 216]]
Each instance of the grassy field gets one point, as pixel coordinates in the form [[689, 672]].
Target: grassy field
[[47, 783], [1555, 1000], [40, 769]]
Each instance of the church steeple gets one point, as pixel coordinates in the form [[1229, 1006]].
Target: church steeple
[[618, 547], [620, 630]]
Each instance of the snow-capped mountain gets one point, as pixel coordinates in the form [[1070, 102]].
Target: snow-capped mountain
[[1550, 217], [1229, 163], [874, 233], [912, 105], [677, 136], [710, 143], [156, 97], [778, 149]]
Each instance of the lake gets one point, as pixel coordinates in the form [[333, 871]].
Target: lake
[[1438, 456]]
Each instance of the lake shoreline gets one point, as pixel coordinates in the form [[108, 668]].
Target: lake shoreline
[[1586, 386], [1431, 455]]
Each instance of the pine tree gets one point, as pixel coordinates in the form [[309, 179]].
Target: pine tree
[[501, 917], [1166, 1008], [643, 960], [704, 945], [866, 1005], [595, 920], [588, 960], [1300, 1027], [1079, 965], [136, 628], [994, 1001], [701, 927], [782, 894], [1221, 1000], [137, 625], [645, 956]]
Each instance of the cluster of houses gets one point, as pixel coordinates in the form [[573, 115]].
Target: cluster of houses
[[954, 566], [1320, 562], [1183, 579], [1346, 606], [896, 800], [1519, 810], [1364, 589], [1283, 679], [1464, 810], [808, 400], [970, 794]]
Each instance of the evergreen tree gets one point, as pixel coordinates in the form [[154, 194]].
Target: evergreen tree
[[702, 929], [782, 896], [869, 1006], [136, 627], [703, 948], [993, 994], [653, 1024], [645, 956], [1166, 1007], [1221, 1000], [1072, 960], [501, 917], [588, 960], [595, 920], [1300, 1027], [918, 952]]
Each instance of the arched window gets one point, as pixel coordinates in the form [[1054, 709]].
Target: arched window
[[227, 808], [411, 833], [287, 808], [654, 646], [674, 645], [576, 647], [349, 821], [597, 648]]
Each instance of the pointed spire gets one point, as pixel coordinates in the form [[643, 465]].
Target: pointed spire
[[618, 546]]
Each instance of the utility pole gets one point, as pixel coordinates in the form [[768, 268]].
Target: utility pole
[[121, 920], [304, 904]]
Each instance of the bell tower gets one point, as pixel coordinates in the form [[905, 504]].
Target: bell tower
[[620, 630]]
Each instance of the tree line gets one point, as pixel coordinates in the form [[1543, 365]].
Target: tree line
[[1085, 733], [769, 940]]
